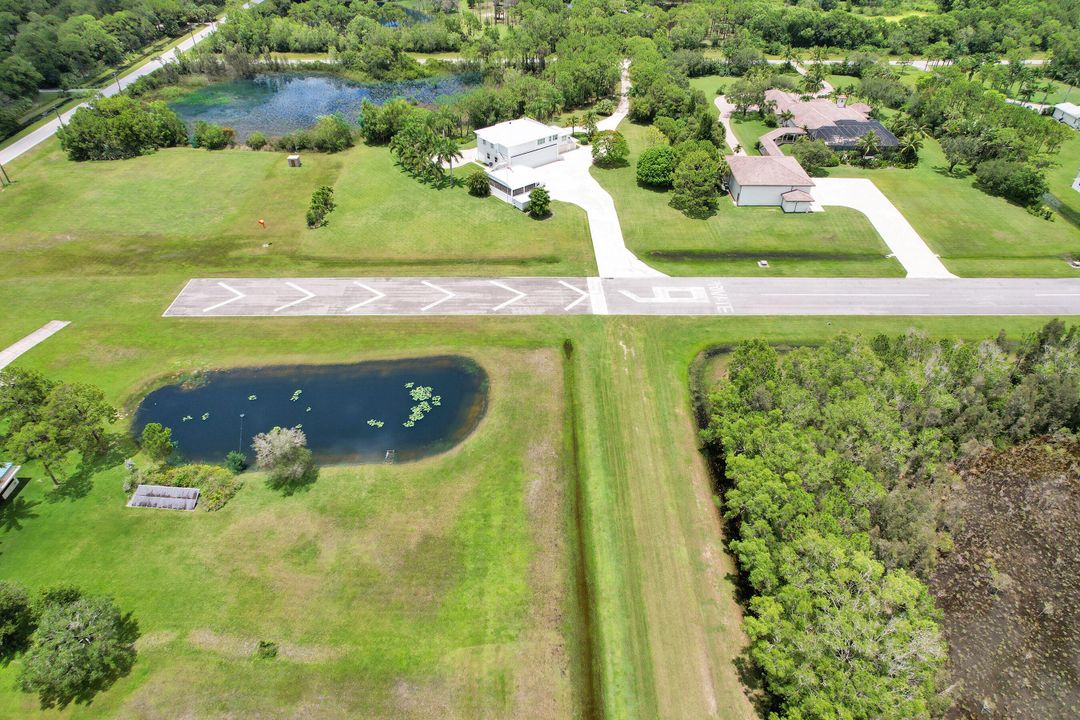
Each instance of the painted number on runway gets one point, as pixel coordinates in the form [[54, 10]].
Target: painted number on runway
[[720, 299], [665, 294]]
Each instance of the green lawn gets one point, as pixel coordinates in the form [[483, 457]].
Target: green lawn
[[710, 84], [1060, 178], [443, 584], [192, 208], [566, 560], [839, 242], [1059, 92], [748, 128], [391, 590], [978, 235]]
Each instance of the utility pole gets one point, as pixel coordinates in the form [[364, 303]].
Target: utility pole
[[116, 77], [57, 113], [4, 175]]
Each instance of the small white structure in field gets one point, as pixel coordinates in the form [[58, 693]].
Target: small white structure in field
[[8, 482], [293, 160], [510, 149], [769, 180], [165, 497], [1068, 113]]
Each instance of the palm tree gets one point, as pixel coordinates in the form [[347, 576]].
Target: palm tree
[[590, 123], [785, 117], [446, 151], [575, 120], [910, 145], [790, 56], [868, 145]]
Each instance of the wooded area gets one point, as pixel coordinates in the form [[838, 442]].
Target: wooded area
[[834, 461]]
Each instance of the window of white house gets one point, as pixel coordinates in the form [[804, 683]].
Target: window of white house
[[540, 141]]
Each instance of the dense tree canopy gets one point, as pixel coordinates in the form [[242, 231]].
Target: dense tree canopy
[[121, 127], [830, 457]]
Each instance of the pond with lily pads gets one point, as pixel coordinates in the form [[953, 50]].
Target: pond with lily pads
[[280, 102], [353, 413]]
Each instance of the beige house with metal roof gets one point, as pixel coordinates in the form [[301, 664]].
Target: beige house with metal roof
[[769, 180]]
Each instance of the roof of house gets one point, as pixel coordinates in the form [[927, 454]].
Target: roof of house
[[797, 196], [1070, 108], [815, 112], [847, 132], [514, 177], [516, 132], [6, 470], [767, 170]]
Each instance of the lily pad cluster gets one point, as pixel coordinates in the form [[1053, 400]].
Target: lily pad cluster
[[425, 400]]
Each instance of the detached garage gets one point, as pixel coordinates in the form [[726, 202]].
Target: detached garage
[[768, 180]]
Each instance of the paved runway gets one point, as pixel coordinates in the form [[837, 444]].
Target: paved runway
[[283, 297]]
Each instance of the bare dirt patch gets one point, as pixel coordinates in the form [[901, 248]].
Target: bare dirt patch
[[237, 646], [1011, 589]]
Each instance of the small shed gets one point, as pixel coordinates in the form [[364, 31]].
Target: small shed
[[1068, 113], [294, 160], [165, 497], [8, 482], [796, 201]]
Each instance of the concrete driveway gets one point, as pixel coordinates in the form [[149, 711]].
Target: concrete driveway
[[726, 109], [569, 180], [919, 261]]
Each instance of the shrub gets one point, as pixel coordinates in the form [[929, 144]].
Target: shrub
[[256, 140], [121, 127], [696, 184], [605, 107], [212, 137], [813, 154], [156, 442], [478, 184], [331, 134], [216, 485], [609, 149], [265, 650], [656, 166], [236, 462], [294, 141], [1019, 182], [16, 618], [283, 453], [322, 204], [539, 203]]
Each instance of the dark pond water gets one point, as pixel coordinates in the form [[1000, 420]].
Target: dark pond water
[[333, 406], [278, 103]]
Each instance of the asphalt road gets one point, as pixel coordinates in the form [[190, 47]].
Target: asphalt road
[[46, 131], [419, 296]]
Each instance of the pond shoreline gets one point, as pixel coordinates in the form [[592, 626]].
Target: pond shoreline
[[277, 102], [353, 413]]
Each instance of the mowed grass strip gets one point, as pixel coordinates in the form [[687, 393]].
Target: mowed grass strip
[[412, 590], [185, 207], [979, 235], [836, 243]]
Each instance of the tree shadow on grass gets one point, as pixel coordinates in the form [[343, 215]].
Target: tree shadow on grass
[[957, 173], [15, 511], [292, 486], [79, 483], [750, 677]]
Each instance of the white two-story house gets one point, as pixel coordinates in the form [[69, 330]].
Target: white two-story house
[[510, 149]]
